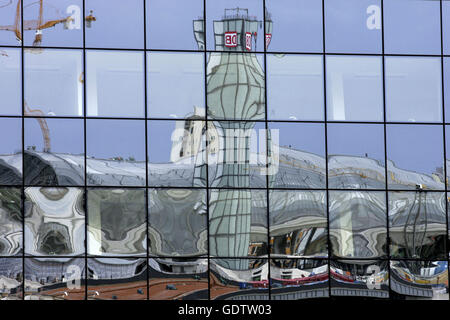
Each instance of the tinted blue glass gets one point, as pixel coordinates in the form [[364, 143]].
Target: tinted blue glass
[[171, 24], [353, 26], [412, 26], [297, 25], [413, 89], [10, 82], [10, 23], [118, 24]]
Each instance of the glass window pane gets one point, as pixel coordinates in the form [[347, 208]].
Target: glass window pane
[[115, 84], [173, 24], [178, 222], [447, 88], [446, 26], [295, 87], [116, 222], [236, 154], [354, 88], [11, 229], [61, 24], [176, 153], [50, 71], [285, 16], [356, 156], [353, 26], [10, 151], [420, 166], [295, 279], [54, 151], [11, 24], [358, 224], [125, 272], [417, 224], [229, 21], [47, 279], [176, 85], [54, 221], [412, 26], [301, 155], [115, 152], [413, 89], [10, 81], [11, 269], [420, 280], [235, 86], [251, 275], [298, 223], [352, 278], [115, 24], [237, 223], [168, 279]]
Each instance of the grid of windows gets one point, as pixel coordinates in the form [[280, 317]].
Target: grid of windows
[[212, 149]]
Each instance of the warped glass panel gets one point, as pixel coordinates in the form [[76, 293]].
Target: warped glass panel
[[10, 151], [360, 278], [172, 278], [117, 279], [358, 227], [237, 223], [420, 280], [116, 222], [295, 279], [55, 279], [11, 228], [115, 151], [11, 272], [239, 279], [356, 156], [417, 224], [178, 222], [54, 221], [54, 152], [298, 224]]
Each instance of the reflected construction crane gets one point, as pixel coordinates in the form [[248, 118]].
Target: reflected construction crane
[[38, 24], [42, 123]]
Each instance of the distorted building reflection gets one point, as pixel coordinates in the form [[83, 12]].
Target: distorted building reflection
[[358, 227], [294, 279], [417, 224], [178, 279], [413, 279], [11, 233], [11, 278], [54, 221], [243, 280], [298, 223], [362, 278], [116, 222], [178, 222]]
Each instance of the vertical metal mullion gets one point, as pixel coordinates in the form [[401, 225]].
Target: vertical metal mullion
[[326, 145], [205, 70], [267, 152], [444, 139], [146, 149], [85, 158], [383, 74], [23, 148]]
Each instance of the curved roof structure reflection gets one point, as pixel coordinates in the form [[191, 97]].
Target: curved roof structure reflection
[[10, 221]]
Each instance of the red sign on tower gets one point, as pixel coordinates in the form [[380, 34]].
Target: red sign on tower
[[248, 41], [230, 39], [268, 38]]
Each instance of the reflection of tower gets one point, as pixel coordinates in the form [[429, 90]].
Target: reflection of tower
[[235, 91]]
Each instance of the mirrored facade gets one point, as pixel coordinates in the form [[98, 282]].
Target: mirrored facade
[[224, 149]]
